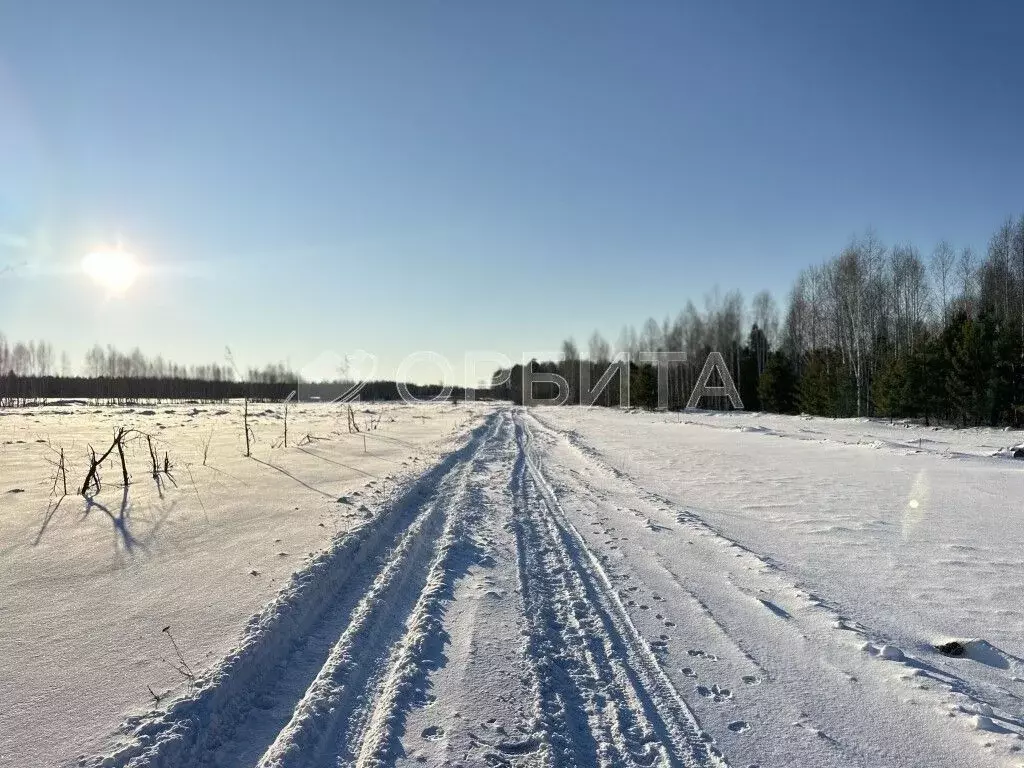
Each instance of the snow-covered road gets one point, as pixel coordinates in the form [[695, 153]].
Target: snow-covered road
[[468, 622], [527, 601]]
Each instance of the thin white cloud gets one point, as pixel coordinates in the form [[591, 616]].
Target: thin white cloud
[[14, 242]]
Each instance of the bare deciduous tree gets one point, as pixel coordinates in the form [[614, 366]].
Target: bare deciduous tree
[[942, 264], [966, 275]]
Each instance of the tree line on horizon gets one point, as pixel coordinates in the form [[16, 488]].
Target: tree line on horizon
[[874, 331], [30, 372]]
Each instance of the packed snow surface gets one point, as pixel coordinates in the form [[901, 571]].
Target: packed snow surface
[[487, 585]]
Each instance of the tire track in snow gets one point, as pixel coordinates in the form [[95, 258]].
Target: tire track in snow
[[475, 703], [602, 696], [671, 510], [355, 709]]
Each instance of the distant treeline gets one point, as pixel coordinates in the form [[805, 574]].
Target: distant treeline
[[28, 375], [326, 391], [27, 390], [38, 359], [874, 331]]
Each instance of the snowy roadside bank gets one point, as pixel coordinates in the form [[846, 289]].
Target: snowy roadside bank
[[867, 555]]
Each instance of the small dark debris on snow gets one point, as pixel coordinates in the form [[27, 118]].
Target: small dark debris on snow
[[952, 648], [282, 554], [254, 572], [16, 490]]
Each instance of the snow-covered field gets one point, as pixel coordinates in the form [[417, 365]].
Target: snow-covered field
[[484, 585]]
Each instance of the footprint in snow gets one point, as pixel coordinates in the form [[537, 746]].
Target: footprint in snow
[[716, 693], [433, 733], [751, 679], [739, 726], [688, 672], [699, 654]]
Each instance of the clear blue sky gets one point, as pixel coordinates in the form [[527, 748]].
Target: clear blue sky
[[300, 177]]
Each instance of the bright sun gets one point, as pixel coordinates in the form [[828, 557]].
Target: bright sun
[[112, 268]]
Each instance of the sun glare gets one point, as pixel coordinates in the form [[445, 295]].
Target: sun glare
[[112, 268]]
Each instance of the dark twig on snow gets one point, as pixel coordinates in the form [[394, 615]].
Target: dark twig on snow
[[60, 475], [121, 436], [92, 478], [181, 667]]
